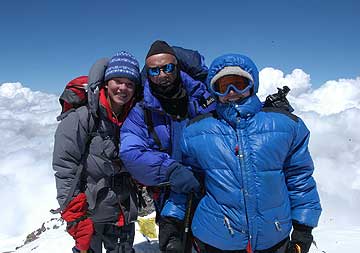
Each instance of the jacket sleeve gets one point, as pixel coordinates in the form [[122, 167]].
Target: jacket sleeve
[[70, 141], [201, 101], [299, 167], [146, 164]]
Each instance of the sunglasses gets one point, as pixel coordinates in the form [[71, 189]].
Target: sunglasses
[[167, 68], [239, 84]]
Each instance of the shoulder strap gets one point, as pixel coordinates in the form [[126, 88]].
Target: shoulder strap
[[150, 125], [282, 111], [201, 117]]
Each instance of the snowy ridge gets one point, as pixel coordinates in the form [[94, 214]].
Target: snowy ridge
[[52, 237]]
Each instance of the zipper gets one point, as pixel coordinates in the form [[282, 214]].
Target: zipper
[[240, 155]]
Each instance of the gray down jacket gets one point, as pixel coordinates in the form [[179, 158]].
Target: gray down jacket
[[85, 159]]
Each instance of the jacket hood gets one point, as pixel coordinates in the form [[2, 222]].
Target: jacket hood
[[234, 60]]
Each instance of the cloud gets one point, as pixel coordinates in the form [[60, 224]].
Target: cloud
[[28, 123], [332, 113]]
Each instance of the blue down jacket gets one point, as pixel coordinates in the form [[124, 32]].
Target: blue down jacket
[[139, 152], [258, 171]]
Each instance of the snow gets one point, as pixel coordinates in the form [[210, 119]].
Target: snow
[[27, 185]]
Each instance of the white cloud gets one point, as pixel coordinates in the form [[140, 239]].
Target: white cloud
[[27, 126], [298, 81], [332, 113]]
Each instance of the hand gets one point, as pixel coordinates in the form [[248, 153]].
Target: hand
[[82, 233], [79, 226], [182, 180], [301, 239]]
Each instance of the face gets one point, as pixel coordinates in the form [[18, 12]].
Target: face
[[236, 81], [120, 91], [160, 61]]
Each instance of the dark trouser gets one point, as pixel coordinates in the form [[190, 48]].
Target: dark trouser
[[170, 234], [115, 239], [206, 248]]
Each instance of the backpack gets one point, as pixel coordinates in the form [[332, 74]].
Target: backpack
[[73, 96]]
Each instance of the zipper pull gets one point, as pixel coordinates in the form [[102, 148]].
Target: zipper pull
[[278, 225], [227, 223]]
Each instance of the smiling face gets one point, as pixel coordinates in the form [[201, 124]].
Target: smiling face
[[159, 61], [120, 90]]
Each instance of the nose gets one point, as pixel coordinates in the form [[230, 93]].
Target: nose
[[162, 73], [232, 92], [121, 86]]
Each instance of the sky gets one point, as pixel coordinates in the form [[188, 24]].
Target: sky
[[28, 123], [45, 44]]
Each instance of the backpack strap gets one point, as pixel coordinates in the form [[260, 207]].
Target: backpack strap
[[150, 126], [201, 117], [282, 111]]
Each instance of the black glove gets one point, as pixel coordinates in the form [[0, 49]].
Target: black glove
[[301, 239], [170, 230], [182, 180]]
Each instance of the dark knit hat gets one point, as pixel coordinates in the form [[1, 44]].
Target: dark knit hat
[[160, 47], [123, 64]]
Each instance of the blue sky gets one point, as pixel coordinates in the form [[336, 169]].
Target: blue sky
[[44, 44]]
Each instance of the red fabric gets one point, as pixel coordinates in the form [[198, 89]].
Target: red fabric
[[156, 194], [83, 230], [75, 209], [76, 86], [82, 233], [248, 247], [105, 103], [121, 220]]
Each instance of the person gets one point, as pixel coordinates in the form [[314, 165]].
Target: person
[[151, 133], [258, 169], [95, 193]]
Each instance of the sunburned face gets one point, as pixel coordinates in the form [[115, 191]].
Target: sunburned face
[[158, 62], [120, 91]]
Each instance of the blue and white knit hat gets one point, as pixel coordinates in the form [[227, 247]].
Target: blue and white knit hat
[[123, 64]]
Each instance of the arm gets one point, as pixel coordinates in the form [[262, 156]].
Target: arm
[[144, 162], [299, 167], [70, 142]]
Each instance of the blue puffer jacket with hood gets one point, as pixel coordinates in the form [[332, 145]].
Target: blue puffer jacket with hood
[[258, 171]]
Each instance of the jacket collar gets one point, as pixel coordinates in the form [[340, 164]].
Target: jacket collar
[[245, 109]]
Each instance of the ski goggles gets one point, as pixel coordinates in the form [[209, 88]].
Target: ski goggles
[[239, 84], [167, 69]]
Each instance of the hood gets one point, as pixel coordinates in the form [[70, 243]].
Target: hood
[[242, 61]]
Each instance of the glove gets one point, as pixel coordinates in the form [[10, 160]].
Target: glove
[[301, 239], [79, 226], [182, 180]]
